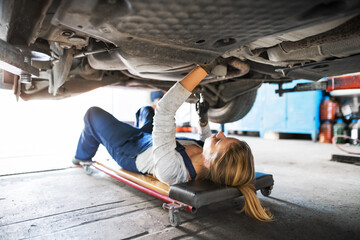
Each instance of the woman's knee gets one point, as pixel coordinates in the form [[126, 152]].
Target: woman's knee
[[92, 112]]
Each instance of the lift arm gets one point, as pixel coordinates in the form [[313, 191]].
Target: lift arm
[[330, 84]]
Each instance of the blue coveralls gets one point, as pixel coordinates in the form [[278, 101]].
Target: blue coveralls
[[123, 141]]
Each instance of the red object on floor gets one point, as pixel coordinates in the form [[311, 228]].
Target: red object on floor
[[141, 188], [326, 132]]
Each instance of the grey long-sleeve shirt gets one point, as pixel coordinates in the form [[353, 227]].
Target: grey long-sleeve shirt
[[162, 160]]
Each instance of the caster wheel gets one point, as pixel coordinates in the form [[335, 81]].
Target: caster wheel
[[88, 170], [174, 218], [266, 191]]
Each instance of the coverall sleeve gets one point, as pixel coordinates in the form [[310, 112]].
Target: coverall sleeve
[[169, 166]]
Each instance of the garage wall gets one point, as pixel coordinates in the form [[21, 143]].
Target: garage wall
[[53, 127], [127, 101]]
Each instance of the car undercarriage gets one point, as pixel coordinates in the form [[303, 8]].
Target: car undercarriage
[[56, 49]]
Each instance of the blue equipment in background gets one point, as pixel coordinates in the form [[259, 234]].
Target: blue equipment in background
[[296, 112]]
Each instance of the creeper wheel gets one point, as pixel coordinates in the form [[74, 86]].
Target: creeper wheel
[[266, 191], [174, 217], [88, 169]]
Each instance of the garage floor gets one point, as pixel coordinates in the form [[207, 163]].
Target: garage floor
[[313, 198]]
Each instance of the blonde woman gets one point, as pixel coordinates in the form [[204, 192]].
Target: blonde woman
[[156, 150]]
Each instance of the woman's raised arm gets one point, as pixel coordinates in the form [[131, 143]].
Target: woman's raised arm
[[168, 163]]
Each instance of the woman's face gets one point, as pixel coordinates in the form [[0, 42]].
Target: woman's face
[[215, 144]]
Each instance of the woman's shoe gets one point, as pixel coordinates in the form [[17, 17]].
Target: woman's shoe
[[76, 161]]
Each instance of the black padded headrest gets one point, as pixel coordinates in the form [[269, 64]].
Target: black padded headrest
[[202, 193]]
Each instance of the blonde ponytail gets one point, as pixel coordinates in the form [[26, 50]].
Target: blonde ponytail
[[235, 167], [252, 206]]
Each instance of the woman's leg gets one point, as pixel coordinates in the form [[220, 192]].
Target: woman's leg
[[102, 128], [145, 118]]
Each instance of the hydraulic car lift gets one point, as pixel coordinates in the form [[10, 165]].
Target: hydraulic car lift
[[328, 85]]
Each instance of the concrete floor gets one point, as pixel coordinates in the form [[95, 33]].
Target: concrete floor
[[313, 198]]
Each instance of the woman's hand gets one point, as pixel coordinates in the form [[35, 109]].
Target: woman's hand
[[202, 108]]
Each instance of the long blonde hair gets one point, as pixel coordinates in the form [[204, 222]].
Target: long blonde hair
[[235, 167]]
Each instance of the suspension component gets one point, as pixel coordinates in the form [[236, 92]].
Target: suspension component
[[14, 61], [24, 76]]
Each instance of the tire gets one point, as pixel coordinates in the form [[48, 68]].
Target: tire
[[233, 110]]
